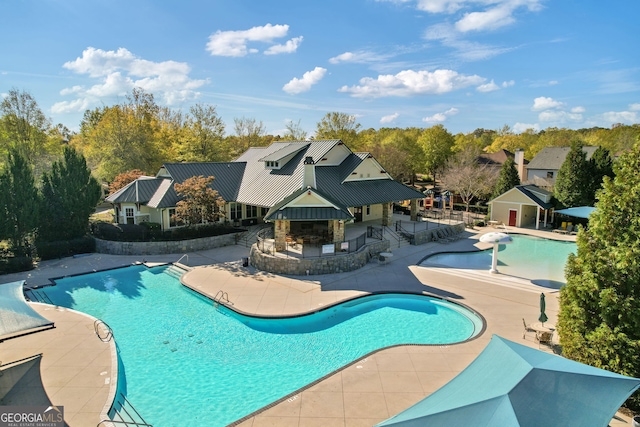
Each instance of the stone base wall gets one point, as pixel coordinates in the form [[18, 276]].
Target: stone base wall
[[435, 234], [325, 265], [160, 248]]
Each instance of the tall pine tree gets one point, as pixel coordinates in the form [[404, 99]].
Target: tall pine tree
[[573, 184], [599, 320]]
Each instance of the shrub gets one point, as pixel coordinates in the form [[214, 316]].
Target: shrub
[[15, 264], [148, 231], [65, 248]]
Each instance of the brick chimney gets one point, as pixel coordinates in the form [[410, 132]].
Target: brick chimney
[[309, 179]]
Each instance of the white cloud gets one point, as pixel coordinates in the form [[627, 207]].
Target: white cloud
[[559, 116], [613, 117], [390, 118], [440, 6], [289, 47], [441, 117], [410, 82], [491, 19], [508, 84], [467, 50], [544, 103], [578, 110], [360, 57], [118, 72], [634, 107], [488, 87], [304, 84], [553, 82], [523, 127], [234, 43]]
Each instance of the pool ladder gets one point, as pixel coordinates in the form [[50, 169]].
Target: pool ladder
[[221, 297], [105, 336], [124, 417]]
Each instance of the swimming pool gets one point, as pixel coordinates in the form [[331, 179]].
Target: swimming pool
[[540, 260], [187, 363]]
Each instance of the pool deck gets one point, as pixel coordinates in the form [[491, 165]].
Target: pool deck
[[78, 369]]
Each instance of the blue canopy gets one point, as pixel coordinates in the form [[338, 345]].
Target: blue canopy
[[577, 212], [510, 384]]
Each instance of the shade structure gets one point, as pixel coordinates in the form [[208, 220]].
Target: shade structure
[[15, 314], [510, 384], [577, 212], [497, 239]]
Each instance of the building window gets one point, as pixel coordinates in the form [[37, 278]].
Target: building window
[[550, 175], [172, 221], [368, 210], [128, 213], [236, 211], [252, 211]]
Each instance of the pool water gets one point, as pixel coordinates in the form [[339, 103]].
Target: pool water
[[540, 260], [188, 363]]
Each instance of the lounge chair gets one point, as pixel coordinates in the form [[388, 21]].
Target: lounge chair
[[544, 337], [562, 229], [569, 229], [527, 328]]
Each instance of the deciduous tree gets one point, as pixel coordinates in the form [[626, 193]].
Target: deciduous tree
[[200, 203], [203, 135], [436, 143], [123, 179], [573, 185], [599, 322], [340, 126], [467, 178]]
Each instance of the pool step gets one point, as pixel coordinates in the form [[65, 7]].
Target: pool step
[[175, 271]]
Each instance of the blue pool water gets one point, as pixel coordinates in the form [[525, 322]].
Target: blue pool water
[[540, 260], [188, 363]]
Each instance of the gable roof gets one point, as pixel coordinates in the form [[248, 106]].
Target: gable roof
[[552, 158], [497, 158], [139, 191], [532, 192], [282, 210]]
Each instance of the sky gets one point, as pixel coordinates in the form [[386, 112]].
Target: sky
[[465, 64]]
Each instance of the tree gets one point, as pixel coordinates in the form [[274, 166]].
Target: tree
[[601, 165], [123, 179], [69, 196], [508, 178], [598, 322], [200, 202], [295, 132], [467, 178], [436, 143], [203, 135], [340, 126], [25, 127], [18, 203], [573, 184], [249, 132]]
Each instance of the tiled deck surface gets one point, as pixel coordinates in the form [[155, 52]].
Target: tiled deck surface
[[362, 394]]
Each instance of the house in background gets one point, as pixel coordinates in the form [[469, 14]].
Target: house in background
[[303, 187], [497, 159], [542, 170], [522, 206]]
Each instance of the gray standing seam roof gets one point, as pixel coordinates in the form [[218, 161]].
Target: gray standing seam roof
[[552, 158], [138, 191]]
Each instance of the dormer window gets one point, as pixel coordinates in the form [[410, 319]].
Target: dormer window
[[272, 164]]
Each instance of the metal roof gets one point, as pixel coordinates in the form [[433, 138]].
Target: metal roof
[[139, 191], [285, 151], [309, 213], [552, 158], [530, 190]]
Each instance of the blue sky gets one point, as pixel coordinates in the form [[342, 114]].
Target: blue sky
[[392, 63]]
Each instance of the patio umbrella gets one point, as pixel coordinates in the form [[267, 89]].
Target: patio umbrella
[[497, 239], [511, 384], [543, 305]]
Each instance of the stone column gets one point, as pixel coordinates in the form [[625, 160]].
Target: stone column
[[282, 228], [387, 214], [414, 209], [338, 230]]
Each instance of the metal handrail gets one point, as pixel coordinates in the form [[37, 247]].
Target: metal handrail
[[220, 296], [142, 423], [180, 259], [96, 328]]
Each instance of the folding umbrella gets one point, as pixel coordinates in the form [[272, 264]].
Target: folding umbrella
[[510, 384], [543, 305]]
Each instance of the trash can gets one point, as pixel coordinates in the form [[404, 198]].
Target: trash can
[[245, 262]]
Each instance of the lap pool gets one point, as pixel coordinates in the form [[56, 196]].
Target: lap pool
[[189, 363]]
